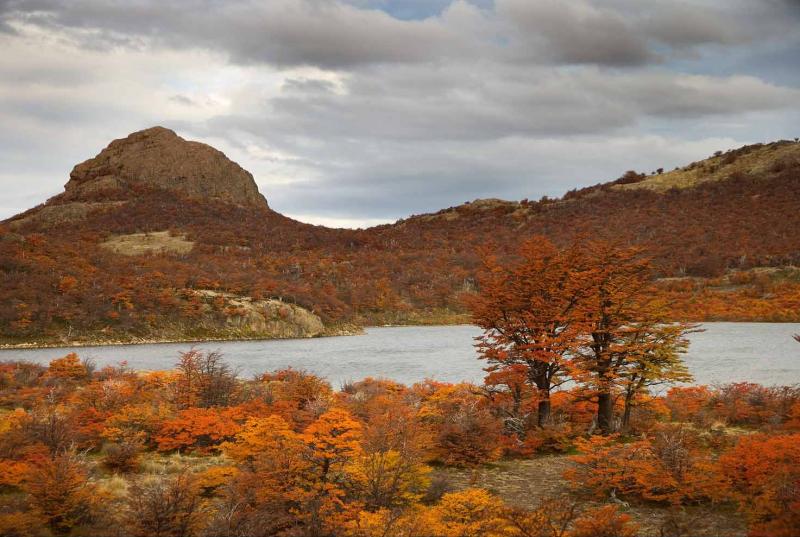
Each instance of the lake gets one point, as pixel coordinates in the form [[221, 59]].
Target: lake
[[725, 352]]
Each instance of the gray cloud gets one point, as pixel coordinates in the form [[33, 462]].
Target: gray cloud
[[574, 32], [345, 112], [490, 102], [683, 26], [281, 32], [334, 35]]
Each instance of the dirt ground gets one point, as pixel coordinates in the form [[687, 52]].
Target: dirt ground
[[524, 483]]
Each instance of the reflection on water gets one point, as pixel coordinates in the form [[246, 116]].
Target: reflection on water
[[725, 352]]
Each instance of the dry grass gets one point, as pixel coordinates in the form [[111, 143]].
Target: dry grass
[[758, 161], [175, 463], [145, 243]]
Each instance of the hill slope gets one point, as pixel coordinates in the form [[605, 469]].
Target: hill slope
[[160, 238]]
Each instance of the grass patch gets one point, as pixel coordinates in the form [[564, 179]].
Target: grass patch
[[146, 243]]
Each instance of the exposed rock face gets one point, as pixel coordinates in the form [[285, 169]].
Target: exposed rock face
[[160, 158], [249, 318], [49, 215]]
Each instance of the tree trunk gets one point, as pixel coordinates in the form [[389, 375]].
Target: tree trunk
[[626, 414], [605, 412], [544, 412]]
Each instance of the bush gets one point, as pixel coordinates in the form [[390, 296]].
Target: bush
[[122, 456], [604, 521]]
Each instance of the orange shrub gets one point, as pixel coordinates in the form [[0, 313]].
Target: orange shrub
[[197, 429], [763, 472], [604, 521], [468, 512], [688, 403], [669, 467], [69, 367], [465, 430]]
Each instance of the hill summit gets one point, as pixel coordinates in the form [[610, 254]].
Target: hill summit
[[159, 158]]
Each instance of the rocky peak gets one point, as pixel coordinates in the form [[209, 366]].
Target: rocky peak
[[160, 158]]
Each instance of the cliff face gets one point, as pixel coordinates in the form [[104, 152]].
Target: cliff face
[[157, 157]]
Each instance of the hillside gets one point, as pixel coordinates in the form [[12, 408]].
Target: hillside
[[160, 238]]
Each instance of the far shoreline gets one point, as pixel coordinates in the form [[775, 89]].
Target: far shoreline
[[343, 333], [120, 343]]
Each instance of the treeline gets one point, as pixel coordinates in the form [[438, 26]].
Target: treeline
[[198, 451]]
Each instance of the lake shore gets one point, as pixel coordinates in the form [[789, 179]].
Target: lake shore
[[349, 331], [344, 330]]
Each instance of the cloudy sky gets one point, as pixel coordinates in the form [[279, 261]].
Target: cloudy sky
[[352, 113]]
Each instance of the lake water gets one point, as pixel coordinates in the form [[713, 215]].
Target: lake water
[[725, 352]]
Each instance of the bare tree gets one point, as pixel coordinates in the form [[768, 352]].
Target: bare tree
[[206, 380], [164, 506]]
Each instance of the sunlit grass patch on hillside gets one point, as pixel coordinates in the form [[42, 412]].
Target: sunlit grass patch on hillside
[[145, 243]]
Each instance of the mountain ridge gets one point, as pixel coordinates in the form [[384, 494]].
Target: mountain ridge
[[204, 173]]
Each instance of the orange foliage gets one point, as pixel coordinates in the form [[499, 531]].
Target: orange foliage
[[300, 459], [49, 279], [467, 513], [669, 467], [262, 437], [604, 521], [466, 432], [686, 403], [60, 491], [764, 474], [530, 313], [198, 429], [69, 367]]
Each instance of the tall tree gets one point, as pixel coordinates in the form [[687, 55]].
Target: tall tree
[[628, 341], [529, 311]]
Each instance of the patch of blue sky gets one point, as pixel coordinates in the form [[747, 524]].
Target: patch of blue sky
[[415, 9]]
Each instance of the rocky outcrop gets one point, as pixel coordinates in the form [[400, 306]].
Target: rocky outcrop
[[248, 318], [50, 215], [157, 157]]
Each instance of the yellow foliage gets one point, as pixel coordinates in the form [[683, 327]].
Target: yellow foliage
[[468, 513], [389, 478], [215, 477], [262, 437]]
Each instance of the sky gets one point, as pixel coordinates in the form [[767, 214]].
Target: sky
[[360, 112]]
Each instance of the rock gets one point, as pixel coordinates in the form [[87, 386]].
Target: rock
[[49, 215], [157, 157], [249, 318]]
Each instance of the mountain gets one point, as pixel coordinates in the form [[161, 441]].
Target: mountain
[[152, 158], [159, 157], [159, 238]]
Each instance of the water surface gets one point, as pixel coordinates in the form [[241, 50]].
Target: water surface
[[725, 352]]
